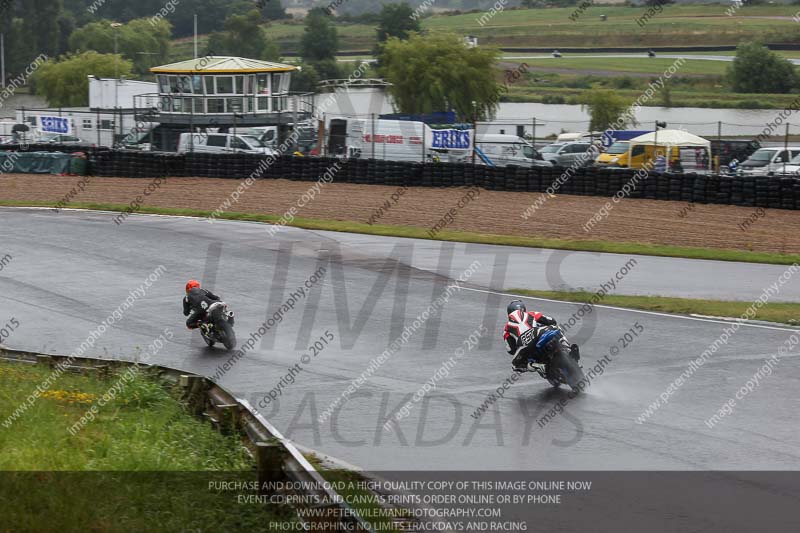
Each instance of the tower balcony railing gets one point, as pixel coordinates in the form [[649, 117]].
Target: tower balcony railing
[[157, 106]]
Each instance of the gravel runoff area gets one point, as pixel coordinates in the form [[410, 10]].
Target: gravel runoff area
[[494, 212]]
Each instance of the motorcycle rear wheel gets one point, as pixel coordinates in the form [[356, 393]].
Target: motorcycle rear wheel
[[570, 370], [228, 336]]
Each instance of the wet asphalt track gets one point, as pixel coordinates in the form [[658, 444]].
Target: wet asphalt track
[[70, 270]]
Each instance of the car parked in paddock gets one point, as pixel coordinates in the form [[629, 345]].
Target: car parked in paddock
[[769, 161], [791, 169], [219, 143], [569, 153]]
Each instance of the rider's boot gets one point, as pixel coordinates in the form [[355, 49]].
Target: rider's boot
[[574, 351]]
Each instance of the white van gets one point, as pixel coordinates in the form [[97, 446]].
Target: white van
[[397, 140], [218, 143], [503, 150], [767, 161]]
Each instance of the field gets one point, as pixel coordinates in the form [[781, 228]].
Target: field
[[628, 65], [789, 54], [683, 25], [695, 83]]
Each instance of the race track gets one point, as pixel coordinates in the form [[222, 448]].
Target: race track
[[70, 270]]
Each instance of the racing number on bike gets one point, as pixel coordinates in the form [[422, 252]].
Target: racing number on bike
[[527, 337]]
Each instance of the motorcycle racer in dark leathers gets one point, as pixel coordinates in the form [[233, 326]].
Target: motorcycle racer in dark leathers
[[196, 303]]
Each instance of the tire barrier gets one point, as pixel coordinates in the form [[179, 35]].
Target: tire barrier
[[763, 191], [776, 192]]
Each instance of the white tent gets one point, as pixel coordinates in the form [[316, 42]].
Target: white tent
[[672, 138], [678, 138]]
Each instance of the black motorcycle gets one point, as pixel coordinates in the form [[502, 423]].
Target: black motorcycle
[[551, 356], [218, 326]]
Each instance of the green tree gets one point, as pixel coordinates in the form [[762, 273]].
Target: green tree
[[306, 79], [244, 37], [607, 109], [66, 25], [320, 40], [319, 44], [41, 25], [756, 69], [145, 42], [272, 9], [439, 72], [394, 20], [64, 82], [18, 51], [327, 69], [397, 20]]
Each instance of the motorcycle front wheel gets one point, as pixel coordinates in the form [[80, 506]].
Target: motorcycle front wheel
[[206, 338]]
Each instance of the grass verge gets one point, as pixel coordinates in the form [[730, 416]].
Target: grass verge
[[414, 232], [142, 461], [783, 313]]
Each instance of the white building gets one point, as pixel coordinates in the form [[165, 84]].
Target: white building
[[108, 93], [109, 115]]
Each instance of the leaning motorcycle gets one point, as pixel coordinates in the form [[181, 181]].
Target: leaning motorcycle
[[218, 326], [551, 356]]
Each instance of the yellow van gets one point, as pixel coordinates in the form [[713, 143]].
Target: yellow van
[[620, 154]]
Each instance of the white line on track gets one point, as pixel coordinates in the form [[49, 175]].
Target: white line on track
[[639, 311]]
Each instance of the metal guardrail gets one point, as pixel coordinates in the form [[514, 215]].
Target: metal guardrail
[[277, 458]]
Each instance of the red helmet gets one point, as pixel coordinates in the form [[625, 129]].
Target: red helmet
[[192, 284]]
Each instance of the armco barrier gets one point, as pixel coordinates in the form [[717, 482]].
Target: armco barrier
[[277, 459], [767, 191]]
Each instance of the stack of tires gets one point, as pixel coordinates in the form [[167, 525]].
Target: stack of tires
[[737, 191], [583, 180], [796, 193], [761, 184], [601, 182], [748, 192], [698, 192], [787, 193], [724, 191], [774, 198]]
